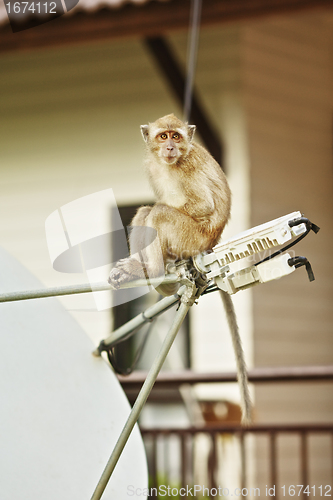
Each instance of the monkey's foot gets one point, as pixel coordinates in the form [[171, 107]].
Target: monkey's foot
[[125, 271]]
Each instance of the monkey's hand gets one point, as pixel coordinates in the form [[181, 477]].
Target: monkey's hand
[[126, 270]]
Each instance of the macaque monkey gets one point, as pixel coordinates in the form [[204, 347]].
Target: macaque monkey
[[192, 200], [192, 208]]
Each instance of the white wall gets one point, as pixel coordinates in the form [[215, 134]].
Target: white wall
[[69, 126]]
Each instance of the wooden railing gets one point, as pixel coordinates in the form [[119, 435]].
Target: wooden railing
[[275, 457], [273, 487]]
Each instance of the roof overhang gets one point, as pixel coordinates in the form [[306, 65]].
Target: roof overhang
[[94, 20]]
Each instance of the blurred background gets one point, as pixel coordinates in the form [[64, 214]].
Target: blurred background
[[74, 93]]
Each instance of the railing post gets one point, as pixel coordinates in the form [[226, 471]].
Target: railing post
[[243, 460], [153, 471], [273, 472], [332, 458], [212, 462], [184, 461], [304, 461]]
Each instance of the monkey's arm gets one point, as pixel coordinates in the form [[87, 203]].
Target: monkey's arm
[[200, 208]]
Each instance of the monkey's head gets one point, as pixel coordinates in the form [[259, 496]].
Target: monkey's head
[[168, 138]]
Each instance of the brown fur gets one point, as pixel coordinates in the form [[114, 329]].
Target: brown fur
[[192, 200]]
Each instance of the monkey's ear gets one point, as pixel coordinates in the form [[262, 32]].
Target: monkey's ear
[[145, 132], [190, 131]]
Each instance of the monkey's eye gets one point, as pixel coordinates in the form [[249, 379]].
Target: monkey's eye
[[176, 136], [163, 136]]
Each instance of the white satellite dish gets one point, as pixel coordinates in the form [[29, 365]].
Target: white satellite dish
[[61, 409]]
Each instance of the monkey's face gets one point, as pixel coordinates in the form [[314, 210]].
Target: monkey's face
[[170, 146], [168, 138]]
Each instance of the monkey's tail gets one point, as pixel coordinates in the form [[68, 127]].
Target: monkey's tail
[[239, 354]]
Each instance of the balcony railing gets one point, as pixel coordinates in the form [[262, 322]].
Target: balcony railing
[[269, 461], [271, 487]]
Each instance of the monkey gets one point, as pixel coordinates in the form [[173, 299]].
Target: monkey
[[193, 202], [193, 199]]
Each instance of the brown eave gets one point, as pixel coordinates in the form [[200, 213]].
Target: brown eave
[[153, 18]]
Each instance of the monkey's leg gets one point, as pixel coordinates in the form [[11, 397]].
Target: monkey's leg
[[138, 235], [132, 267], [179, 236], [139, 218]]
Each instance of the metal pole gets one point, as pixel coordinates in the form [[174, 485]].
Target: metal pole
[[192, 57], [141, 399], [125, 331], [82, 288]]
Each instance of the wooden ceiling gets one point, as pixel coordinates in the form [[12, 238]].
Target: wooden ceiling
[[151, 19]]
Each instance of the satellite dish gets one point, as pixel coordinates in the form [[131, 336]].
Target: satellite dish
[[62, 409]]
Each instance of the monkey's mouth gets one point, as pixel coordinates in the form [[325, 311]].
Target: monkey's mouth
[[171, 158]]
